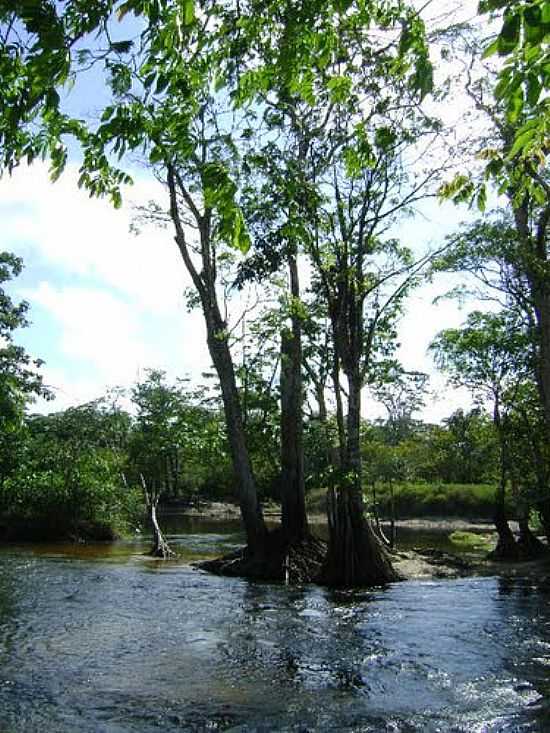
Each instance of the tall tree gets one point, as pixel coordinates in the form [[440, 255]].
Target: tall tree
[[20, 380], [186, 69], [487, 355]]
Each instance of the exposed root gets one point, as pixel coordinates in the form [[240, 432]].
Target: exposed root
[[295, 562], [161, 550], [529, 544]]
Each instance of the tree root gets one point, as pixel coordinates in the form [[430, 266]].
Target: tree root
[[296, 562]]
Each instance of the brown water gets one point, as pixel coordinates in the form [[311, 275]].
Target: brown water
[[100, 639]]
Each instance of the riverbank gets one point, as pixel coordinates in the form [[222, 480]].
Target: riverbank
[[225, 510], [460, 550]]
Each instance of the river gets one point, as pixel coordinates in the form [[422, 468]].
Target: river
[[100, 639]]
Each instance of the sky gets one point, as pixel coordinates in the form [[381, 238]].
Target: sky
[[106, 304]]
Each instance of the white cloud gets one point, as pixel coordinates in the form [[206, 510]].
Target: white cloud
[[89, 238], [98, 328]]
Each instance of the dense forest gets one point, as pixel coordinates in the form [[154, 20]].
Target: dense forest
[[291, 139]]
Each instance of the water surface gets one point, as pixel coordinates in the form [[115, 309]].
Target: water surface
[[100, 639]]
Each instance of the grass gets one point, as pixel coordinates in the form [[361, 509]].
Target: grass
[[471, 540], [414, 500]]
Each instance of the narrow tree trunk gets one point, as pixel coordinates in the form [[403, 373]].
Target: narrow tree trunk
[[160, 547], [321, 402], [251, 512], [294, 519], [506, 548], [218, 346], [392, 516]]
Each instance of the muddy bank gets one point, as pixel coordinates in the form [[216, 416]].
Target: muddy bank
[[225, 510]]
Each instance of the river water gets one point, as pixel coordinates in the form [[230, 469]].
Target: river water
[[100, 639]]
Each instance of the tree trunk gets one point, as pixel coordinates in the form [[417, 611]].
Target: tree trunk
[[218, 346], [506, 548], [530, 546], [160, 547], [294, 519], [355, 555], [251, 512], [339, 410], [542, 310], [544, 514]]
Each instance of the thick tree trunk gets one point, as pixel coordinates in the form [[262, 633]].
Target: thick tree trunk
[[355, 555], [530, 546], [506, 548], [340, 423], [542, 302], [294, 519], [544, 514]]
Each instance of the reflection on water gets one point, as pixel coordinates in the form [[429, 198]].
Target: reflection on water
[[104, 640]]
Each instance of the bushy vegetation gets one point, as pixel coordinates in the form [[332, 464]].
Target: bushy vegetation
[[413, 500]]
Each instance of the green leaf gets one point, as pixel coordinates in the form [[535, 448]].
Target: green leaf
[[188, 11], [534, 88], [509, 34], [481, 198], [384, 137], [339, 88], [491, 49], [533, 16], [515, 105]]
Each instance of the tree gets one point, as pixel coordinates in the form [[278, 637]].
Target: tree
[[169, 92], [488, 357], [359, 126], [402, 393], [525, 76], [20, 381], [514, 144], [69, 480], [165, 437], [506, 273]]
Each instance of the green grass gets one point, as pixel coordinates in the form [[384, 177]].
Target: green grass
[[471, 540], [413, 500]]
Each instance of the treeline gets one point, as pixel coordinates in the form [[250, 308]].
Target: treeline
[[292, 144], [81, 472]]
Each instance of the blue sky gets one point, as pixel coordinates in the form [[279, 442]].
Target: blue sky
[[105, 304]]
